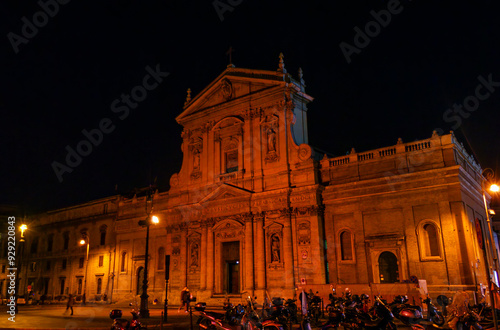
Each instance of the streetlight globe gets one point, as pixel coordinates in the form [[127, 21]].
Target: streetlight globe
[[154, 219], [82, 242], [494, 188], [23, 227]]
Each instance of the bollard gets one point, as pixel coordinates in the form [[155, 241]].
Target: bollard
[[191, 317]]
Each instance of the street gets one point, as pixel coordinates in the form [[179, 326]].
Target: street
[[88, 317]]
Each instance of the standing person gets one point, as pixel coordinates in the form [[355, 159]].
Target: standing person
[[69, 304], [185, 298]]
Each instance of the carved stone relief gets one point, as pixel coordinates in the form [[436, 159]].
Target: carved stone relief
[[194, 252], [304, 233], [229, 229]]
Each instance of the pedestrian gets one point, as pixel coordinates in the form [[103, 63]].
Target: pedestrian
[[37, 298], [185, 299], [69, 304]]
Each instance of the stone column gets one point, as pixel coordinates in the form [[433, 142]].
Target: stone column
[[288, 253], [260, 254], [249, 258], [210, 261], [203, 275]]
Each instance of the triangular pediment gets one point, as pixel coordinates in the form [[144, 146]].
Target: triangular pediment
[[232, 85], [224, 192]]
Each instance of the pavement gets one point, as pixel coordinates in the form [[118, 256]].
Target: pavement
[[95, 317]]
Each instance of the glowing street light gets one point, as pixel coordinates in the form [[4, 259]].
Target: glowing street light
[[83, 241], [488, 175], [150, 219]]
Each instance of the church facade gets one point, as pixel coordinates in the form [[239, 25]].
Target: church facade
[[254, 208]]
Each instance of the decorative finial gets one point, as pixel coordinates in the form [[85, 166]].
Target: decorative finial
[[282, 64], [400, 141], [188, 97], [353, 151]]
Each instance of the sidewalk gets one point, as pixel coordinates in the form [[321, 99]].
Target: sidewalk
[[88, 317]]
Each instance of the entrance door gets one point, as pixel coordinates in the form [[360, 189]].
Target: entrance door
[[388, 267], [231, 264]]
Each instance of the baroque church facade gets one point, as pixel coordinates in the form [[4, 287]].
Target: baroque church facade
[[255, 208]]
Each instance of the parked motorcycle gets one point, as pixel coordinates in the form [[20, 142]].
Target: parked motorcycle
[[432, 313], [383, 317], [122, 324]]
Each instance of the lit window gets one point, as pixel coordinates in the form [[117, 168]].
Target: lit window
[[101, 261]]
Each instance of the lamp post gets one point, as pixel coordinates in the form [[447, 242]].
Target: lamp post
[[487, 176], [85, 240], [144, 309], [22, 241]]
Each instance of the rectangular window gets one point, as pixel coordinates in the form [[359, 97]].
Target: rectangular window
[[64, 264], [82, 261], [101, 261], [66, 240], [231, 161], [103, 237], [3, 269], [47, 265]]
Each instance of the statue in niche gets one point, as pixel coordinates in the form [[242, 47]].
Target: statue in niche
[[196, 160], [271, 140], [194, 255], [275, 248]]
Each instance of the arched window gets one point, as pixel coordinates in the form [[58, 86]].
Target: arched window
[[429, 241], [346, 248], [161, 258], [123, 267]]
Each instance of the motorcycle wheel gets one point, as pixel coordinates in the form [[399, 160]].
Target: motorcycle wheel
[[438, 319]]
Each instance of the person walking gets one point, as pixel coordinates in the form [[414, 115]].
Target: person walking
[[69, 304], [185, 299]]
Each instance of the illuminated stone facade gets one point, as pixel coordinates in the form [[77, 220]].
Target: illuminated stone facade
[[255, 208]]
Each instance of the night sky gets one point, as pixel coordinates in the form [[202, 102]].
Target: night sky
[[64, 76]]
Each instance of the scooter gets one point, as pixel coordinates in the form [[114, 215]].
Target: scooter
[[432, 313], [123, 324]]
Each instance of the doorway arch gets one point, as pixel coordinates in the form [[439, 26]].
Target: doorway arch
[[388, 267]]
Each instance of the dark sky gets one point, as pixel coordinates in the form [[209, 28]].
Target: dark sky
[[65, 76]]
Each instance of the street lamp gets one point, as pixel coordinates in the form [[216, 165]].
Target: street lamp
[[144, 310], [487, 176], [83, 241], [22, 228]]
